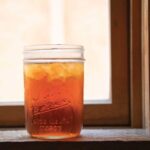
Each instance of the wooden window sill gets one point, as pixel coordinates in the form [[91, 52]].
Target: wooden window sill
[[91, 138]]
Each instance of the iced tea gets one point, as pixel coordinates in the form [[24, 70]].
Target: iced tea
[[54, 99]]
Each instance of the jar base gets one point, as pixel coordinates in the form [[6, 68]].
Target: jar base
[[55, 136]]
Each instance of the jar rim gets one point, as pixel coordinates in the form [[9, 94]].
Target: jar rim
[[53, 53], [55, 47]]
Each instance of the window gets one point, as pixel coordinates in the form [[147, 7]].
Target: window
[[122, 110], [55, 21]]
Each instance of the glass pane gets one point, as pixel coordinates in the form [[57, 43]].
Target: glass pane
[[88, 23], [22, 22], [25, 22]]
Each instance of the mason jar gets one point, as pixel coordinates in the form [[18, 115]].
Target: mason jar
[[53, 89]]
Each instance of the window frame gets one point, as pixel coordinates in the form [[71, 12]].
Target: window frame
[[124, 110], [136, 62], [146, 64]]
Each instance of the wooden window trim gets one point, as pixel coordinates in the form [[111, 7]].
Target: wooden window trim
[[122, 111], [146, 63], [136, 62]]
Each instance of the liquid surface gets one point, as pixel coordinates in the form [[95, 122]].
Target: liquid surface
[[54, 99]]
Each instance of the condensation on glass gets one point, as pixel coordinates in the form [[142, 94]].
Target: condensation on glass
[[53, 85]]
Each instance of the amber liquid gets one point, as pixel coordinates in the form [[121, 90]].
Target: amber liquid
[[54, 99]]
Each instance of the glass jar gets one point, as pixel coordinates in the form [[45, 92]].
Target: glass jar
[[53, 87]]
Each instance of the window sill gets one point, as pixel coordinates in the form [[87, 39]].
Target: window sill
[[90, 138]]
